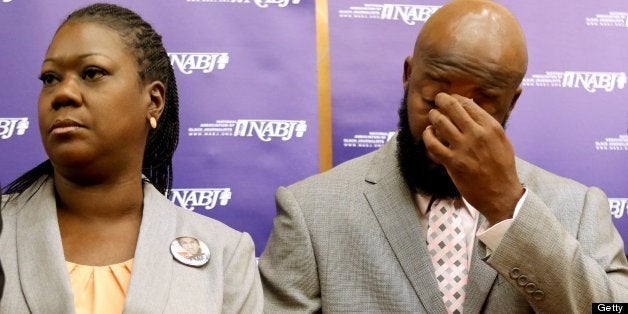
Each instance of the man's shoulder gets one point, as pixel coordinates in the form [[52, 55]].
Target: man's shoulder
[[534, 176], [346, 174], [555, 190]]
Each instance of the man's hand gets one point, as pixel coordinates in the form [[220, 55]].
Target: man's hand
[[478, 156]]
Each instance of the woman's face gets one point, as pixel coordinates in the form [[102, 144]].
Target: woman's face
[[92, 106]]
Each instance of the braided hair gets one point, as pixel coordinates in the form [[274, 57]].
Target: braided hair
[[154, 65]]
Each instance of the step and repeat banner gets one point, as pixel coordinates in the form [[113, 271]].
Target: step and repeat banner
[[248, 74]]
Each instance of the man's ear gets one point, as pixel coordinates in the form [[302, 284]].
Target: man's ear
[[407, 70], [515, 98], [157, 93]]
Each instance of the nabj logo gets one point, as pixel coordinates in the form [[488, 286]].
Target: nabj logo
[[264, 130], [612, 19], [260, 3], [408, 13], [589, 81], [206, 198], [188, 62], [10, 126], [613, 143], [619, 206], [370, 140]]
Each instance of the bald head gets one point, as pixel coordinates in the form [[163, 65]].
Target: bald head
[[468, 32]]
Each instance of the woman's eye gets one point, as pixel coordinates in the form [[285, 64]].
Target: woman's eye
[[92, 74], [48, 79]]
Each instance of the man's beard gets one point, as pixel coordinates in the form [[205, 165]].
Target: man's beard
[[421, 174]]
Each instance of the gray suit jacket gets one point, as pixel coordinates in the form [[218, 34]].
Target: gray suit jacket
[[37, 280], [349, 240]]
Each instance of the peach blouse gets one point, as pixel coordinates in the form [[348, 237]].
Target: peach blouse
[[99, 289]]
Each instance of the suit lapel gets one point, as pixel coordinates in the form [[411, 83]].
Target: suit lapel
[[41, 262], [151, 276], [481, 277], [392, 204]]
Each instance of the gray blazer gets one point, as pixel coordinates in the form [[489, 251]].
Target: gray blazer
[[349, 240], [37, 280]]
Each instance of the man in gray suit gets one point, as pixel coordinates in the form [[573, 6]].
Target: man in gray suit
[[363, 237]]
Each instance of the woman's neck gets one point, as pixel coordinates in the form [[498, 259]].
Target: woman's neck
[[99, 223], [121, 197]]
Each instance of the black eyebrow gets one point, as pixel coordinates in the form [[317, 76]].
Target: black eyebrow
[[82, 56]]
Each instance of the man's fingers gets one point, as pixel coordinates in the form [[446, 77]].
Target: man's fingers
[[475, 112], [445, 130], [451, 107], [437, 151]]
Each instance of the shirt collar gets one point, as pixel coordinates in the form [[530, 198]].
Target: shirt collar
[[422, 202]]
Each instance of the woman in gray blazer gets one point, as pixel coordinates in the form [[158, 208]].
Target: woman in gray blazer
[[90, 230]]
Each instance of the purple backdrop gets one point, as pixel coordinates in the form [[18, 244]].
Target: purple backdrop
[[247, 76]]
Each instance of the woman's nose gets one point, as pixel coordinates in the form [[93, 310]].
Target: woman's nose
[[66, 93]]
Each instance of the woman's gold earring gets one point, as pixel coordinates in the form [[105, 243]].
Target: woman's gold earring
[[153, 122]]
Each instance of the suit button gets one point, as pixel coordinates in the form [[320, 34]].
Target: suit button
[[522, 280], [530, 287], [515, 273], [538, 295]]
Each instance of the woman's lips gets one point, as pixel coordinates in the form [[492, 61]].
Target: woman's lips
[[64, 126]]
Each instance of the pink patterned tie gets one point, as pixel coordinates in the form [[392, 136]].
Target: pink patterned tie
[[447, 246]]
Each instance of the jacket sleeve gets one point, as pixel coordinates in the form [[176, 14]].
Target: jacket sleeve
[[288, 266], [560, 271]]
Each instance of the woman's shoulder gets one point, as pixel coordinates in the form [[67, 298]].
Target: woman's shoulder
[[216, 234], [190, 223], [12, 203], [190, 219]]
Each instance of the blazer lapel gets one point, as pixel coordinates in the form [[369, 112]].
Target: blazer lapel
[[392, 204], [151, 276], [481, 278], [41, 262]]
